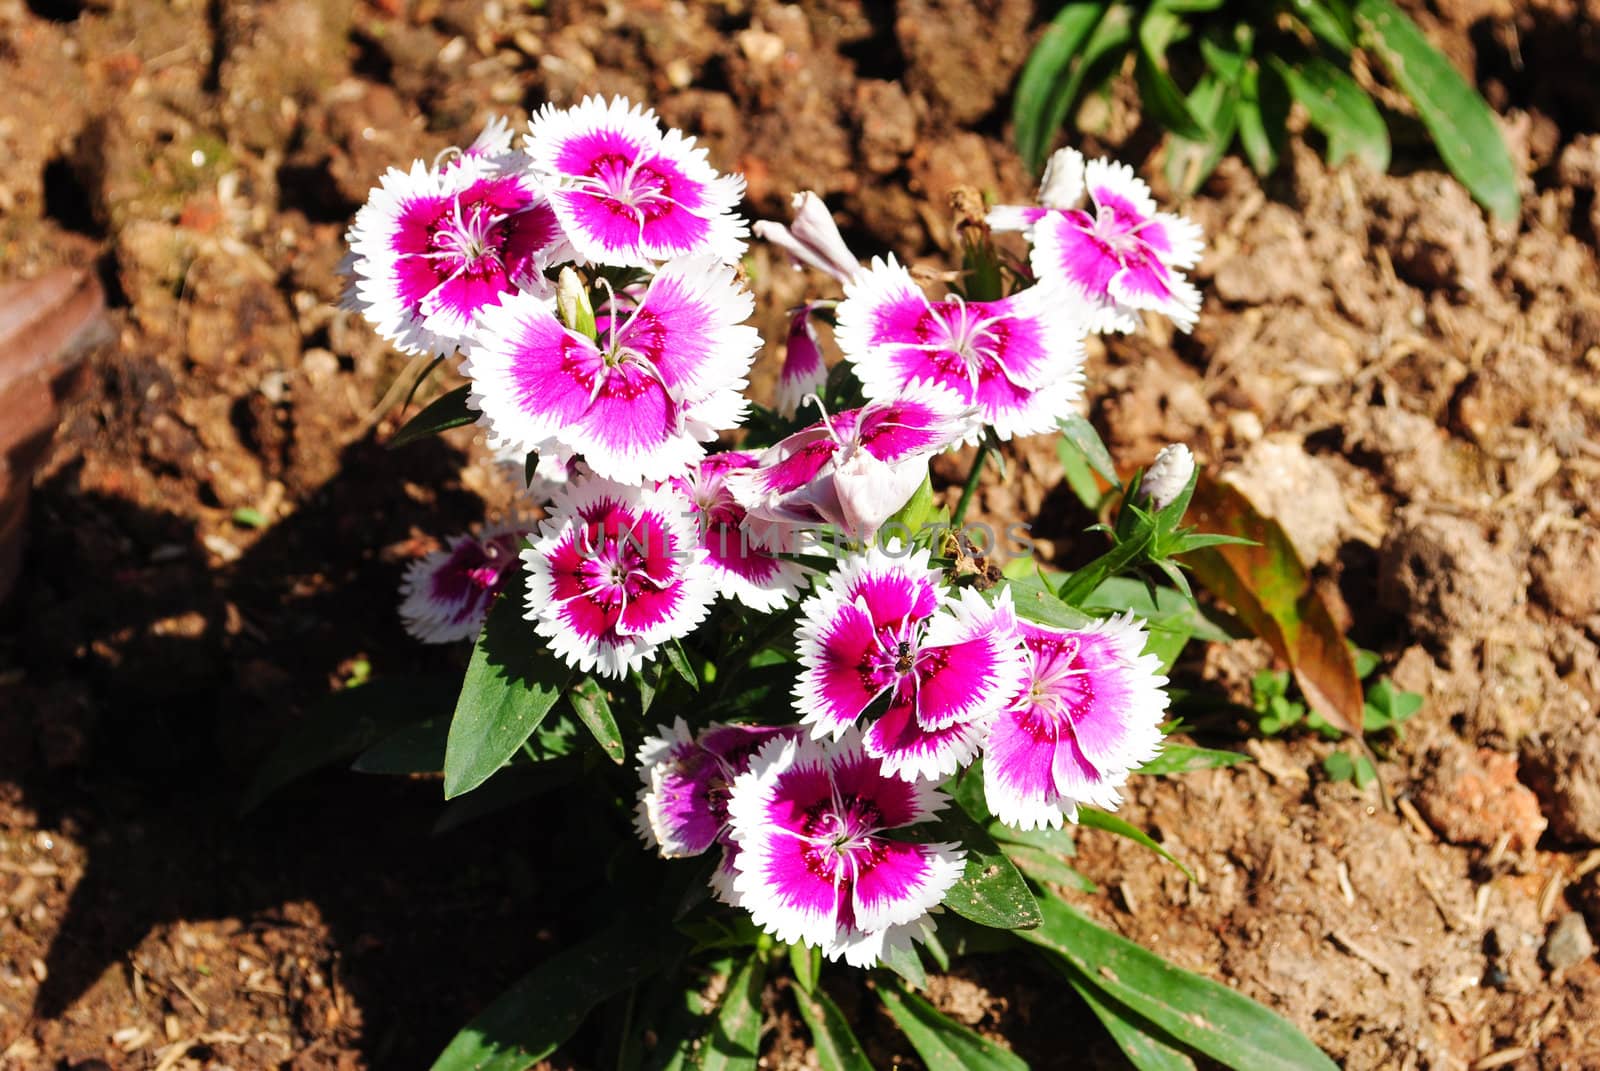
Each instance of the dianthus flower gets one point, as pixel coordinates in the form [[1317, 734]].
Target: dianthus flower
[[683, 804], [1018, 360], [743, 568], [884, 626], [804, 372], [617, 571], [445, 596], [813, 238], [433, 247], [1118, 254], [854, 469], [663, 376], [628, 193], [814, 866], [1088, 712]]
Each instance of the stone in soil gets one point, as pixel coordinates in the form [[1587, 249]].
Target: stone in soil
[[1474, 797], [1569, 942]]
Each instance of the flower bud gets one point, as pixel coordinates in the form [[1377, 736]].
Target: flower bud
[[804, 372], [572, 303], [1061, 186], [1167, 475], [871, 491], [813, 238]]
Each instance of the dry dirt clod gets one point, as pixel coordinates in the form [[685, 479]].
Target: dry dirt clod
[[1569, 942], [1299, 491], [1564, 772], [1474, 797], [1446, 577]]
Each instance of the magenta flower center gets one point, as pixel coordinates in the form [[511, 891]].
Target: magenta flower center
[[969, 342], [467, 240], [621, 565], [1063, 688], [839, 837], [632, 187]]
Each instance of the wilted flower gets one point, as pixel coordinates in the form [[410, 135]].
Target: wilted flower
[[1167, 475], [1017, 360], [432, 248], [814, 866], [683, 805], [804, 372], [1089, 712], [884, 625], [628, 193], [1117, 256], [663, 377], [813, 238], [743, 569], [446, 595], [617, 571], [854, 469]]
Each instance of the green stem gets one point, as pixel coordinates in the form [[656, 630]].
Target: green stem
[[971, 485]]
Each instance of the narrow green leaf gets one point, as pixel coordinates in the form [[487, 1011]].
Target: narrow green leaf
[[1181, 758], [1043, 866], [735, 1042], [1263, 117], [1194, 1011], [1164, 608], [414, 749], [1159, 95], [527, 1022], [1463, 128], [990, 891], [942, 1044], [1330, 20], [1214, 102], [1098, 819], [1339, 108], [904, 960], [831, 1038], [1041, 102], [443, 413], [1055, 841], [679, 661], [511, 684], [1036, 602], [344, 724], [1077, 431], [1134, 1036], [588, 699], [806, 963]]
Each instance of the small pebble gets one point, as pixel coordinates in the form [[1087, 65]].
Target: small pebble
[[1569, 942]]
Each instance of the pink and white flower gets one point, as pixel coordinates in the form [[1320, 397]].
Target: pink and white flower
[[683, 804], [446, 595], [1018, 360], [814, 866], [432, 248], [663, 377], [617, 571], [804, 372], [813, 238], [1088, 713], [743, 568], [854, 469], [1118, 255], [885, 627], [628, 193]]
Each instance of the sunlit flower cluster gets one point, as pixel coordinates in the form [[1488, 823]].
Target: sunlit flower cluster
[[589, 276]]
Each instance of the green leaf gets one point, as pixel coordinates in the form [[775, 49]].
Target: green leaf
[[1056, 841], [1036, 602], [1161, 607], [1263, 117], [1213, 102], [1180, 758], [806, 962], [1339, 766], [1339, 108], [511, 684], [1159, 95], [1463, 128], [1077, 431], [344, 724], [1094, 818], [679, 661], [414, 749], [588, 699], [527, 1022], [942, 1044], [1330, 20], [903, 960], [831, 1038], [443, 413], [990, 892], [1134, 1036], [1043, 866], [735, 1042], [1045, 89], [1194, 1011]]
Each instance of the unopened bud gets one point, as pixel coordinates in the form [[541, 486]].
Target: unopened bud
[[1061, 186], [1167, 475], [572, 303], [813, 238]]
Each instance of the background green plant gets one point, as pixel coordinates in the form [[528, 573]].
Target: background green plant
[[1215, 72]]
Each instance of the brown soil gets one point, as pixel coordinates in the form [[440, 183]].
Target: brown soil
[[1411, 388]]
